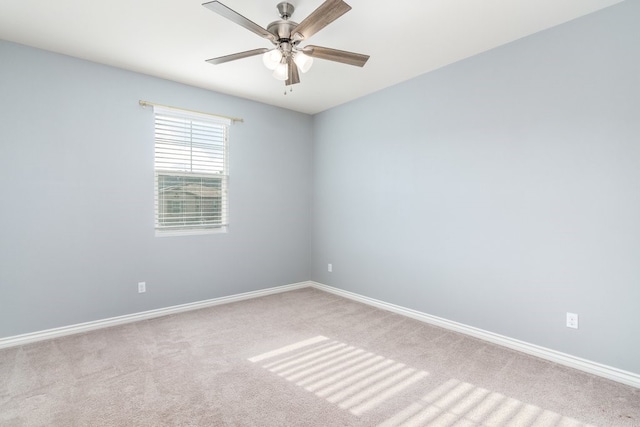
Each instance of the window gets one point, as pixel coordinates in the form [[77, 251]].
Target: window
[[190, 172]]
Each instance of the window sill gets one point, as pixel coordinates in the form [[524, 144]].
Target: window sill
[[195, 232]]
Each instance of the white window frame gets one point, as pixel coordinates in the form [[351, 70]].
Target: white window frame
[[191, 150]]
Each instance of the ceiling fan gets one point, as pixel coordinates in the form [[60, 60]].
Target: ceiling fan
[[288, 58]]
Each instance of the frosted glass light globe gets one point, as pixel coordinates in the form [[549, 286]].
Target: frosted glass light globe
[[304, 62], [282, 71], [272, 58]]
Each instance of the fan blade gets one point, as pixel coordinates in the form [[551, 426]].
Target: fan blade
[[234, 16], [336, 55], [324, 15], [234, 56], [294, 76]]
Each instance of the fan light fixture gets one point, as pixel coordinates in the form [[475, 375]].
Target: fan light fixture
[[273, 60]]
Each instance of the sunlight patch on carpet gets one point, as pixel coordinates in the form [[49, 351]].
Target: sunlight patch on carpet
[[462, 404], [359, 381], [350, 377]]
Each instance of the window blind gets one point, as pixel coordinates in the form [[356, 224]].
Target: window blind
[[191, 177]]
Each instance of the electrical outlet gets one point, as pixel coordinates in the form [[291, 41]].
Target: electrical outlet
[[572, 320], [142, 287], [329, 268]]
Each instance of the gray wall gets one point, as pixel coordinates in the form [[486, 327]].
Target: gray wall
[[500, 192], [76, 217]]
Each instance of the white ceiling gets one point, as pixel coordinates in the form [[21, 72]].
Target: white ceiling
[[172, 38]]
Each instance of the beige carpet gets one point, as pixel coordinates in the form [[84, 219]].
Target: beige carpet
[[301, 358]]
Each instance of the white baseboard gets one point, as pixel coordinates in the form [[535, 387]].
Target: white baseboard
[[618, 375], [129, 318]]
